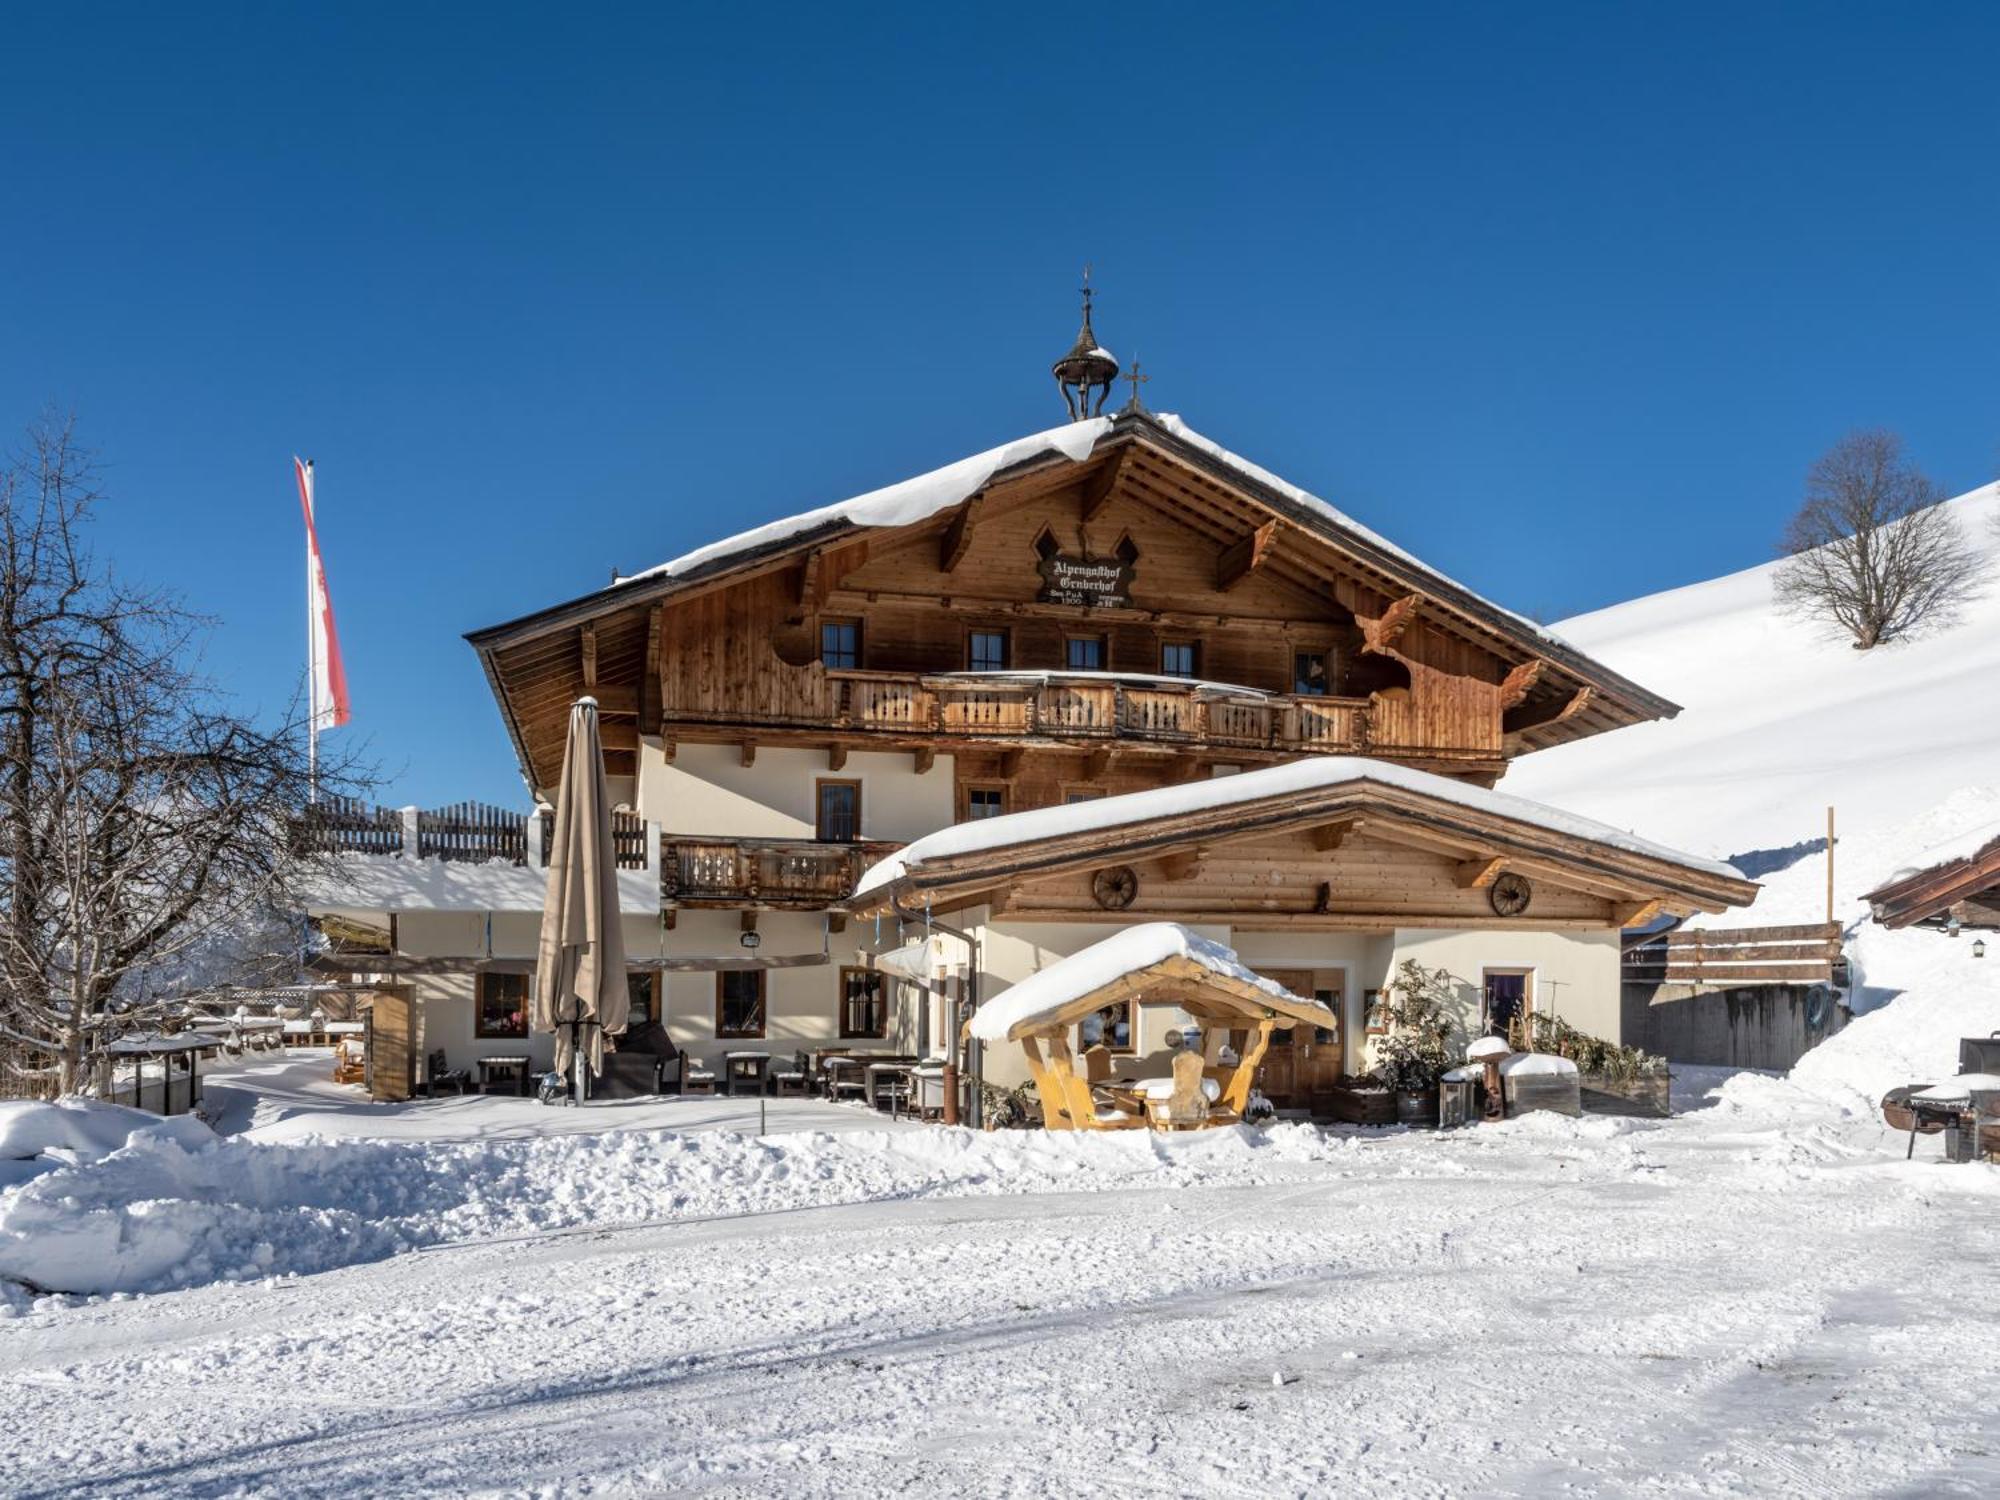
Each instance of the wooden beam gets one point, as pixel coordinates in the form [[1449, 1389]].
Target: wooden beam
[[747, 921], [667, 748], [1478, 874], [1097, 490], [649, 681], [617, 734], [1010, 763], [1244, 556], [1548, 717], [617, 698], [811, 590], [1096, 762], [1633, 913], [1184, 864], [586, 638], [923, 758], [836, 757], [749, 754], [1514, 690], [836, 921], [958, 536]]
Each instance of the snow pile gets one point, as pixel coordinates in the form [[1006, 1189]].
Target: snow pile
[[1043, 995], [165, 1212], [1318, 773], [38, 1137]]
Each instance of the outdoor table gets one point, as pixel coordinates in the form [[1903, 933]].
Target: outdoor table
[[517, 1065], [890, 1073], [838, 1070], [751, 1067]]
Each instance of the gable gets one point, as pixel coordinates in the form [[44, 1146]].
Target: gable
[[1227, 554]]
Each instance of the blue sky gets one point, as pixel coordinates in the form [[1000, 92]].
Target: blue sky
[[1564, 298]]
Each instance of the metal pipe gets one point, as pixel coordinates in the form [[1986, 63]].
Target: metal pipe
[[974, 1053]]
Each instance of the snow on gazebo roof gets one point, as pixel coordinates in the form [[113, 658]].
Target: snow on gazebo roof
[[1299, 777], [1043, 997]]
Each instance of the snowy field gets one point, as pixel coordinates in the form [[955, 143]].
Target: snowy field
[[1760, 1297]]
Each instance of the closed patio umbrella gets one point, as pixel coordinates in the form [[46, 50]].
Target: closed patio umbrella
[[580, 990]]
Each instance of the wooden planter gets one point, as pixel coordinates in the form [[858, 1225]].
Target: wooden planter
[[1649, 1094], [1417, 1107], [1355, 1106]]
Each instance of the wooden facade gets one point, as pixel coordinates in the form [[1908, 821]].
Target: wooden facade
[[1219, 571]]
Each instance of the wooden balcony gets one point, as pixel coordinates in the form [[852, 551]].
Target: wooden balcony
[[780, 874], [1053, 709]]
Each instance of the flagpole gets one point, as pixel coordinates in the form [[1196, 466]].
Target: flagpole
[[312, 654]]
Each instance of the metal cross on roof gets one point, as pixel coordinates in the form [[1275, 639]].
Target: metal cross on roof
[[1137, 403]]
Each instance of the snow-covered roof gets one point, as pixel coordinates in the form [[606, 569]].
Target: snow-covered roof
[[395, 882], [927, 495], [1041, 998], [1299, 777], [899, 504]]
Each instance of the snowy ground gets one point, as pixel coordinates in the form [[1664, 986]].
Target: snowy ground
[[1758, 1297]]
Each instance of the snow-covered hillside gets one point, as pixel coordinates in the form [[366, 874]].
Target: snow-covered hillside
[[1781, 720]]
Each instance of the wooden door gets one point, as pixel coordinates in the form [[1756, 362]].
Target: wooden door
[[1284, 1075]]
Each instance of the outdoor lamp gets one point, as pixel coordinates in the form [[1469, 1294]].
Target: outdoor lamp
[[751, 938]]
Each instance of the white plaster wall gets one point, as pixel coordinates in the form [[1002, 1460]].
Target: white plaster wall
[[706, 789], [801, 1005], [1576, 971]]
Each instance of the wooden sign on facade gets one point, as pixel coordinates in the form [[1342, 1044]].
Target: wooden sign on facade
[[1104, 583]]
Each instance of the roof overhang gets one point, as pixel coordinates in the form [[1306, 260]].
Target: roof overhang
[[954, 880], [1966, 888]]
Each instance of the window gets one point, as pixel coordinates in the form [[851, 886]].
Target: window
[[986, 650], [840, 643], [1082, 793], [1083, 653], [739, 1003], [1507, 998], [501, 1010], [1177, 659], [641, 986], [984, 802], [1109, 1026], [1309, 677], [838, 820], [864, 1003]]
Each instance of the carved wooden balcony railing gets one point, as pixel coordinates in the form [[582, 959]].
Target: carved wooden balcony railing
[[784, 873], [1038, 708]]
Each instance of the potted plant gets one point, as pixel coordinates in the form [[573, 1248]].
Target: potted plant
[[1417, 1049]]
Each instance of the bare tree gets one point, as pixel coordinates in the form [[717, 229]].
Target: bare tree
[[139, 816], [1872, 550]]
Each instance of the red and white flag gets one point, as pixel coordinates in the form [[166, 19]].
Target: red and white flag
[[327, 676]]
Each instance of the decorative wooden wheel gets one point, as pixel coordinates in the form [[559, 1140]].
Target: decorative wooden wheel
[[1510, 894], [1115, 888]]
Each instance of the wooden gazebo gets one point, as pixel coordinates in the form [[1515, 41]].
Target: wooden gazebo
[[1157, 963]]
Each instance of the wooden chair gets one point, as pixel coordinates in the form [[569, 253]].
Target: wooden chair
[[1185, 1107], [350, 1064], [440, 1075], [697, 1077], [1096, 1063], [792, 1080]]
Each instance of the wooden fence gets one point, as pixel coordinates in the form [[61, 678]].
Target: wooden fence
[[347, 825], [472, 833], [1718, 958]]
